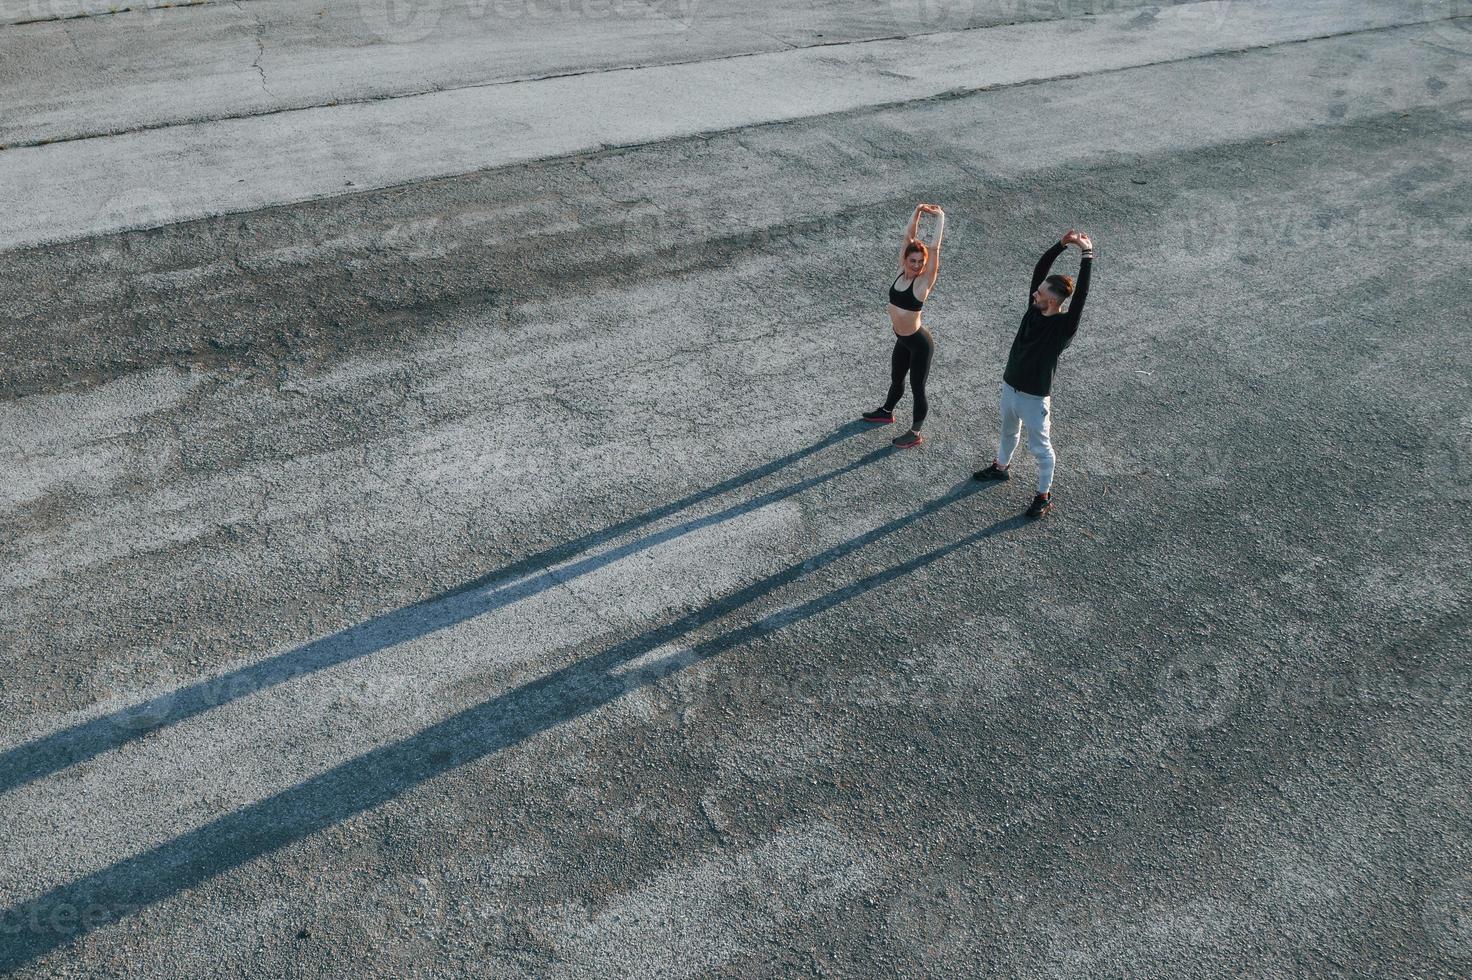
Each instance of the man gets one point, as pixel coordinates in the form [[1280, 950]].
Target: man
[[1027, 384]]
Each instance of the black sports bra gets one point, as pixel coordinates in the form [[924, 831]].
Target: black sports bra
[[905, 299]]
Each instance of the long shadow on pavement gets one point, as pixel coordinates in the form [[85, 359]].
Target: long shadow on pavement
[[59, 750], [69, 911]]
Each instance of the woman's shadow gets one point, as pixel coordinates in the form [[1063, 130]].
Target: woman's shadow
[[494, 590], [70, 911]]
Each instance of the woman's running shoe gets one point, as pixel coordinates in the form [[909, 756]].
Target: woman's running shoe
[[907, 440], [880, 416]]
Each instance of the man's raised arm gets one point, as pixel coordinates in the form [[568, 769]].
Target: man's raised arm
[[1040, 271], [1085, 267]]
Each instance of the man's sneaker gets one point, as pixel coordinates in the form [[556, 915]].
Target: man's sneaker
[[880, 416], [1041, 504], [992, 472], [907, 440]]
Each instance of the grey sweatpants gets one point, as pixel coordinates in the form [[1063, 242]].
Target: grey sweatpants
[[1020, 409]]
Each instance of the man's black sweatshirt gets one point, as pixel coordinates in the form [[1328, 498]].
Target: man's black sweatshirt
[[1040, 339]]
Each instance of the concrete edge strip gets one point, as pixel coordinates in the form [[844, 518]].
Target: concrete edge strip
[[305, 157], [87, 9], [518, 80]]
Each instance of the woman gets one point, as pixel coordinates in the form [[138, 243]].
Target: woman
[[913, 345]]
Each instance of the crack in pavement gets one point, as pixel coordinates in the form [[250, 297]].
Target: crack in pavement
[[110, 11], [260, 46], [958, 92]]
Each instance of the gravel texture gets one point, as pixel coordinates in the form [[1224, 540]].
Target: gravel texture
[[487, 576]]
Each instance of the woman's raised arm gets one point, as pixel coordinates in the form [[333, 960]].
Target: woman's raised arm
[[932, 268], [911, 230]]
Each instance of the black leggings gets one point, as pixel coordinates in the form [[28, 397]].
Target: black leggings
[[911, 354]]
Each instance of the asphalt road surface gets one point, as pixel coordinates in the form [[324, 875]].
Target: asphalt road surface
[[437, 539]]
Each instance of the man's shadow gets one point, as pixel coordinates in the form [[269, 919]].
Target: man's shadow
[[69, 911], [519, 580]]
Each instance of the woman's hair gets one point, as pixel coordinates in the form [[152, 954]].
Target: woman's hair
[[916, 245]]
